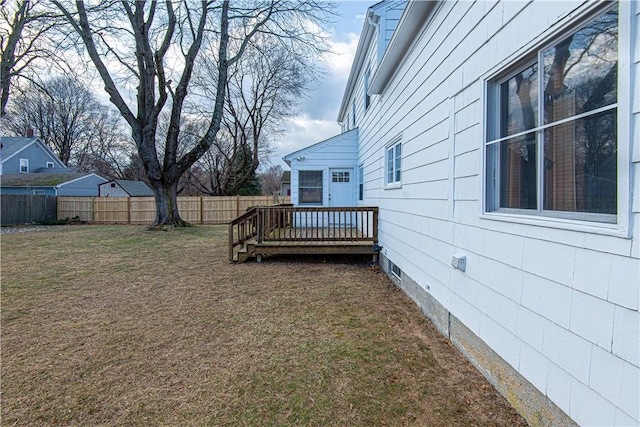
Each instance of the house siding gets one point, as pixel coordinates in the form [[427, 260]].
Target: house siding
[[37, 157], [106, 190], [44, 191], [559, 306], [85, 186], [339, 152]]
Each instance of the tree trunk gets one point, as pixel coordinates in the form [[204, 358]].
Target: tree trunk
[[166, 195]]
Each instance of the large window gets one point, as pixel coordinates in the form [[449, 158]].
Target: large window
[[310, 187], [393, 160], [552, 128]]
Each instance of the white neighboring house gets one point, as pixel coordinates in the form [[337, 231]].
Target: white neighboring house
[[124, 188], [501, 143]]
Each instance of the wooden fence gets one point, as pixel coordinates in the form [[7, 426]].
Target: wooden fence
[[142, 210], [26, 208]]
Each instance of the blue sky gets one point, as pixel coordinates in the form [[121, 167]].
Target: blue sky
[[318, 113]]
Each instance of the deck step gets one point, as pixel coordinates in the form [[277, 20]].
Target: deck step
[[243, 254]]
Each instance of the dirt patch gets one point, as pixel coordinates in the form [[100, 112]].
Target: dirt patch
[[117, 325]]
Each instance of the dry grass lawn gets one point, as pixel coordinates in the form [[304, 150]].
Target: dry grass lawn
[[115, 325]]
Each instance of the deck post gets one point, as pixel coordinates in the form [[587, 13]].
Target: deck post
[[375, 225], [231, 242]]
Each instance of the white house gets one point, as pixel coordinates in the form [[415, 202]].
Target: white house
[[501, 142]]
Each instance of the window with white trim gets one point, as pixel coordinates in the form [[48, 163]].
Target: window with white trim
[[393, 161], [552, 128], [395, 270], [310, 187], [50, 165], [24, 165]]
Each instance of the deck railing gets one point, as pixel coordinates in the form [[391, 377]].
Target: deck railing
[[287, 223]]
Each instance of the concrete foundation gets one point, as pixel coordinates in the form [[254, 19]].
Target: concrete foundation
[[533, 405]]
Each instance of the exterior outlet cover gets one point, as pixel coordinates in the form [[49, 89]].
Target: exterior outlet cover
[[459, 261]]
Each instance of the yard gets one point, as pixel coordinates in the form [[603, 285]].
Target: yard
[[114, 325]]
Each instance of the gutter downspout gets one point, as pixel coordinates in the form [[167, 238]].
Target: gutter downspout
[[372, 23]]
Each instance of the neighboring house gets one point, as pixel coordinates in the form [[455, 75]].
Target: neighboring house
[[49, 184], [26, 155], [30, 167], [285, 184], [501, 144], [124, 188]]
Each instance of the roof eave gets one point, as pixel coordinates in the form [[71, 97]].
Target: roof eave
[[289, 157], [366, 35], [414, 17]]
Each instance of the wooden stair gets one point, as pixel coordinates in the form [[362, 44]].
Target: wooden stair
[[244, 253]]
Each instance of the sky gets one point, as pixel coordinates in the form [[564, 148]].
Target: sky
[[318, 113]]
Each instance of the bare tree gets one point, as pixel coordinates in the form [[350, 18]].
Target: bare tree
[[271, 180], [68, 117], [24, 25], [151, 48], [262, 91]]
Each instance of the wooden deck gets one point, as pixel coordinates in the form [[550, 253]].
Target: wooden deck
[[285, 230]]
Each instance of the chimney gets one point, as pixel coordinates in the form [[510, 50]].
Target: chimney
[[29, 132]]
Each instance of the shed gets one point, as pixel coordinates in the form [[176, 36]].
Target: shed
[[124, 188]]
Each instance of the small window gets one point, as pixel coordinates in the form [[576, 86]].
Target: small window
[[340, 176], [49, 165], [552, 144], [395, 270], [310, 187], [361, 182], [113, 185], [38, 192], [24, 165], [393, 160]]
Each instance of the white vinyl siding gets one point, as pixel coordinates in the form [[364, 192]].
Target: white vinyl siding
[[553, 294]]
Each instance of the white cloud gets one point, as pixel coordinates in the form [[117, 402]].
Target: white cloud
[[301, 132], [317, 118]]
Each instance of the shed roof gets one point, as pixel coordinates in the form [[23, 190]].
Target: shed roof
[[133, 188]]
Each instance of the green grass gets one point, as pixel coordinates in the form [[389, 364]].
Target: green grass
[[116, 325]]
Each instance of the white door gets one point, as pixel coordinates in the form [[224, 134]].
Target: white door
[[341, 187]]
